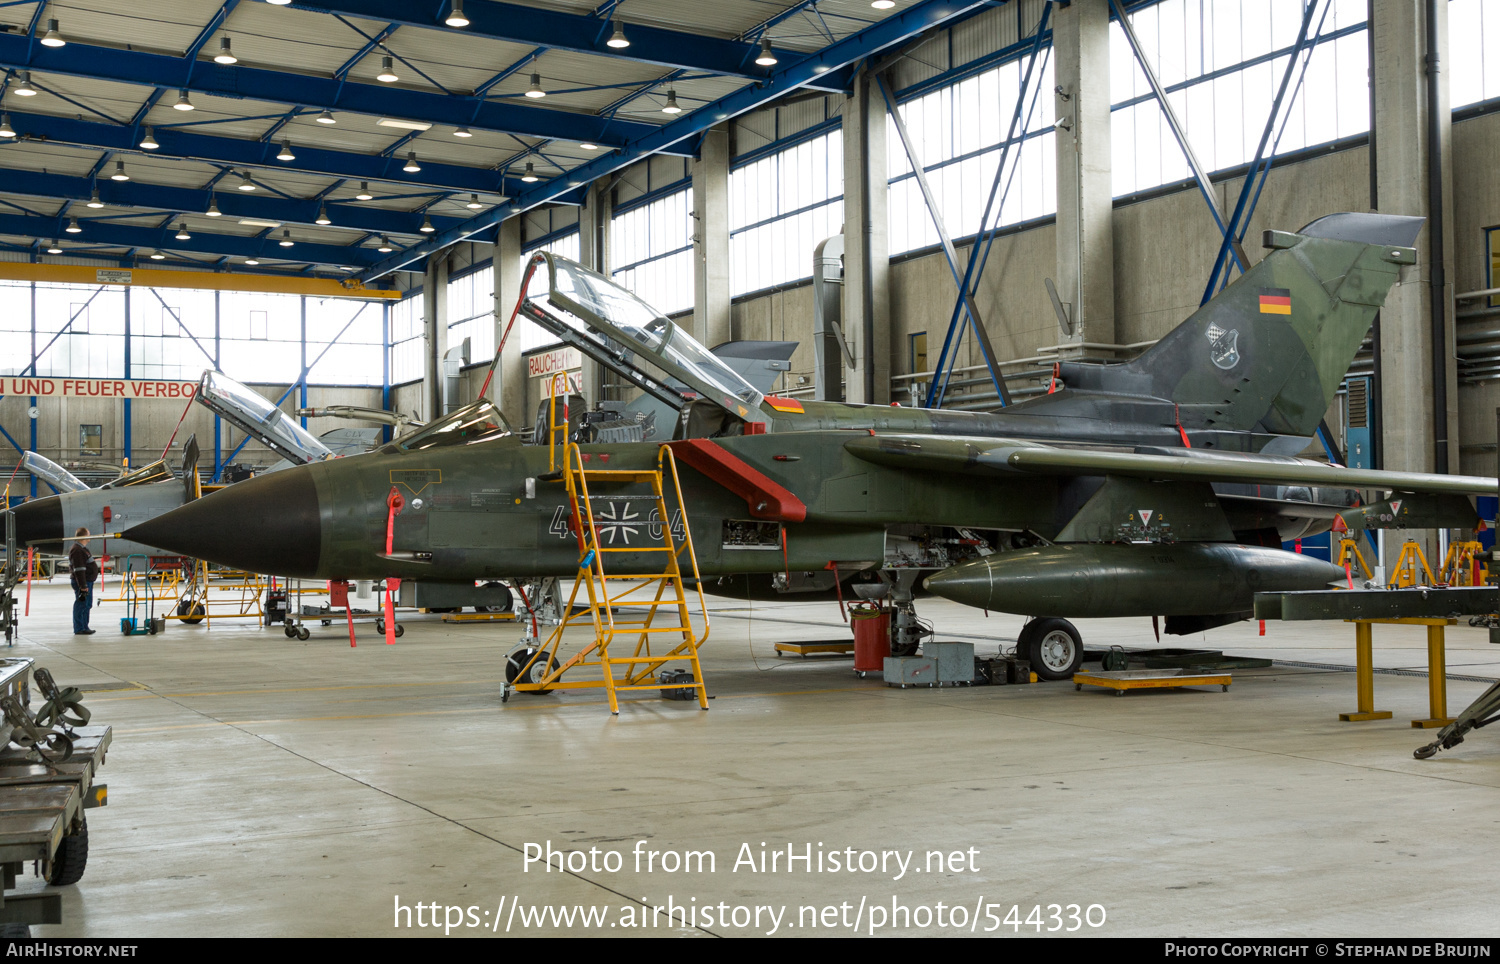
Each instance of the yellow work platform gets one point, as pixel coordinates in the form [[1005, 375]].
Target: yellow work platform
[[1437, 671], [476, 617], [1149, 679], [835, 648]]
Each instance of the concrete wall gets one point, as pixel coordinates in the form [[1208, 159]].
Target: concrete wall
[[1476, 204]]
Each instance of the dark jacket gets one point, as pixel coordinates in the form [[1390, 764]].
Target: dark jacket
[[84, 570]]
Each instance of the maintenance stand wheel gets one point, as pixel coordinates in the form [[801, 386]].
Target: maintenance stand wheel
[[303, 633], [290, 630], [380, 627], [1052, 646], [71, 858]]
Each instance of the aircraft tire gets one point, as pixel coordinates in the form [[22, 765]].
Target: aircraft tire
[[506, 606], [193, 614], [1053, 647]]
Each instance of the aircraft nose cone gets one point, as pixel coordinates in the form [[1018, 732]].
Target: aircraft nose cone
[[38, 520], [271, 524]]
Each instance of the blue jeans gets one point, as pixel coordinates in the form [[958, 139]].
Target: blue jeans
[[81, 607]]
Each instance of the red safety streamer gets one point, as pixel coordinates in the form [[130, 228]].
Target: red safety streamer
[[527, 603], [394, 503], [1262, 627], [525, 286], [1349, 571], [178, 427]]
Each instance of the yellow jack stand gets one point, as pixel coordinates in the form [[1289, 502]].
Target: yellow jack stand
[[1461, 568], [1406, 575], [1349, 554], [1437, 672]]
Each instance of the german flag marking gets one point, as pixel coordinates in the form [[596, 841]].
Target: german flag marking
[[784, 404], [1275, 301]]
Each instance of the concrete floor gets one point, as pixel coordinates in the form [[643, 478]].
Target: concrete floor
[[261, 786]]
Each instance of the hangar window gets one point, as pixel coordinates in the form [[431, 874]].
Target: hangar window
[[15, 327], [959, 132], [653, 246], [97, 349], [171, 333], [246, 355], [1221, 62], [1473, 32], [471, 305], [344, 342], [780, 206], [406, 339]]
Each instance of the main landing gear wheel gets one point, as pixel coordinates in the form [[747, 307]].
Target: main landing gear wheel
[[192, 613], [517, 670], [380, 627], [1053, 647], [507, 601]]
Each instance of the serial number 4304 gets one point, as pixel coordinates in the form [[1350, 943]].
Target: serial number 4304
[[1056, 918]]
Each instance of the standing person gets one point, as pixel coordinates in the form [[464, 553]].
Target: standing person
[[84, 571]]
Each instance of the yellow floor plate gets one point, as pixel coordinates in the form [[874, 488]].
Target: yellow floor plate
[[1129, 680], [816, 649], [477, 617]]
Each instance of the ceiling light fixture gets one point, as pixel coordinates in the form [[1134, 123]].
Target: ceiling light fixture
[[158, 256], [278, 3], [463, 132], [766, 58], [411, 166], [73, 226], [52, 38], [323, 217], [589, 146], [882, 4], [387, 75], [245, 183], [385, 245], [286, 239], [213, 208], [225, 55], [149, 142], [54, 248], [94, 201], [326, 118], [403, 125], [535, 90], [119, 174], [24, 88], [364, 192], [285, 154], [530, 176], [259, 223], [617, 39], [5, 129], [456, 16], [473, 204], [252, 261], [182, 232], [426, 227], [671, 105], [182, 101]]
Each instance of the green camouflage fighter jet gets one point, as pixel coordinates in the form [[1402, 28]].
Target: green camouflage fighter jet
[[1158, 487]]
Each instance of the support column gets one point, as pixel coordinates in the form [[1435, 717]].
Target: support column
[[1418, 374], [508, 390], [1410, 386], [1085, 199], [867, 317], [434, 333], [593, 252], [711, 314]]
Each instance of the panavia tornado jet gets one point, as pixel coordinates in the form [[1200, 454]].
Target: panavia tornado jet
[[1158, 487]]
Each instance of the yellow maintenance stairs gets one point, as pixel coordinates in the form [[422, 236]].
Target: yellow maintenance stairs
[[622, 666]]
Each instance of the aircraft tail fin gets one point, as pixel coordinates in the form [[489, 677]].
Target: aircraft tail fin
[[1268, 353]]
